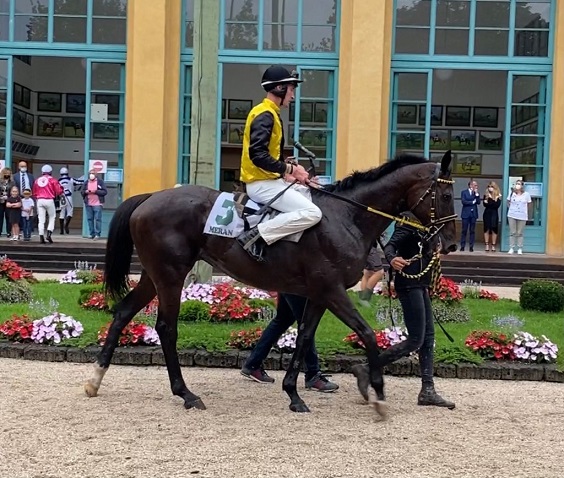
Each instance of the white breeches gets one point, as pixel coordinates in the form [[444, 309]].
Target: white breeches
[[45, 206], [298, 212], [66, 210]]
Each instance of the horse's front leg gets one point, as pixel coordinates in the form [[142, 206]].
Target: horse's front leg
[[306, 331], [341, 305], [167, 328]]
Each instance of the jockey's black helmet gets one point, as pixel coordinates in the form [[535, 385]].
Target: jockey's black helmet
[[277, 75]]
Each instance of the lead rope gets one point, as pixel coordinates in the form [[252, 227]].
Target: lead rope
[[436, 274]]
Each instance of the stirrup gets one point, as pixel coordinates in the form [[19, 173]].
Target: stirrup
[[248, 238]]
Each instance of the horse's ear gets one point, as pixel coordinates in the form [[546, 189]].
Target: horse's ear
[[445, 162]]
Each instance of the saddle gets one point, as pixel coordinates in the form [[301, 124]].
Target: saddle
[[245, 207]]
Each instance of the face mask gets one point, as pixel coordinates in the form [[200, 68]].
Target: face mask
[[6, 177], [490, 190], [23, 170], [92, 176], [517, 186]]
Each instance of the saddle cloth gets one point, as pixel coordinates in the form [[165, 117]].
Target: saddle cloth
[[228, 214]]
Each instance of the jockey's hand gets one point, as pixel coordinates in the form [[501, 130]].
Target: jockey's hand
[[398, 263], [291, 160], [300, 174], [314, 183]]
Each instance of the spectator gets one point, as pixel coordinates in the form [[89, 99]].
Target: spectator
[[45, 190], [517, 216], [470, 200], [28, 207], [372, 274], [491, 202], [14, 211], [6, 184], [94, 194]]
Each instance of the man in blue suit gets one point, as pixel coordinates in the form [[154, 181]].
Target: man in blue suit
[[22, 178], [470, 199]]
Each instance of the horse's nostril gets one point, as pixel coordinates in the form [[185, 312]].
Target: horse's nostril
[[452, 248]]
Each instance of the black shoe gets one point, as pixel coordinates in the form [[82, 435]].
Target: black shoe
[[62, 224], [461, 248], [320, 383], [471, 249], [253, 243], [429, 397], [49, 240], [42, 239], [258, 375], [67, 222]]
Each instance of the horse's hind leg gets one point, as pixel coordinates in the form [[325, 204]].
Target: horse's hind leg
[[124, 311], [167, 328], [310, 321]]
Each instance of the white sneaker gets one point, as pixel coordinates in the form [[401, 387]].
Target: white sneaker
[[510, 251], [519, 251]]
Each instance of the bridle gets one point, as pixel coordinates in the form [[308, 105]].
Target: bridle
[[435, 225]]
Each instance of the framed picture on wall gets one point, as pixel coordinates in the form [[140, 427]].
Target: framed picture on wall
[[458, 115], [26, 97], [50, 126], [485, 117], [239, 109], [29, 120], [18, 120], [105, 131], [490, 140], [407, 114], [111, 100], [467, 164], [439, 139], [236, 132], [18, 94], [224, 130], [436, 115], [74, 127], [463, 140], [76, 103], [409, 141], [49, 102]]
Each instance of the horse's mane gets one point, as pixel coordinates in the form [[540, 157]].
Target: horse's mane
[[371, 175]]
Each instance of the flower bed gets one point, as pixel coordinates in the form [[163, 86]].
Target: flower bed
[[83, 273], [135, 333], [51, 329], [384, 338]]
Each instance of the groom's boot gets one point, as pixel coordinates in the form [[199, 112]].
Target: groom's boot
[[49, 240], [429, 397], [67, 222], [62, 225]]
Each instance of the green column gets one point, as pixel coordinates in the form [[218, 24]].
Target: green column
[[203, 144]]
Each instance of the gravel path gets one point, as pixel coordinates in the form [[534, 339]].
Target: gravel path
[[135, 428]]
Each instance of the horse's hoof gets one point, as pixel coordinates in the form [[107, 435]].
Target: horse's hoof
[[299, 407], [90, 390], [380, 406], [197, 404]]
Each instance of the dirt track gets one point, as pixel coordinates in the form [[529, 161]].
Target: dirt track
[[48, 428]]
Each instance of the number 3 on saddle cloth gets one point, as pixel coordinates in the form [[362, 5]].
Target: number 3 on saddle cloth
[[233, 213]]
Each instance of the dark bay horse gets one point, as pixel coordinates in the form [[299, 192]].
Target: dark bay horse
[[327, 261]]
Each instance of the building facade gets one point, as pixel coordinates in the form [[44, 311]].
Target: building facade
[[165, 87]]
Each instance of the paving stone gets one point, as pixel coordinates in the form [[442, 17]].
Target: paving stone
[[273, 361], [552, 374], [12, 350], [518, 371], [83, 355], [137, 355], [45, 353], [401, 367], [226, 359], [483, 371], [185, 357], [445, 370]]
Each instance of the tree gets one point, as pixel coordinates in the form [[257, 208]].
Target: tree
[[242, 36]]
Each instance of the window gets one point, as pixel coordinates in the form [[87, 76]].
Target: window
[[473, 27], [188, 23], [280, 25], [64, 21]]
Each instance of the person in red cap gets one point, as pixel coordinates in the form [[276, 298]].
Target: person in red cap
[[266, 173], [45, 190]]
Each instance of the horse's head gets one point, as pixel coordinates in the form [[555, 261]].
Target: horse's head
[[432, 202]]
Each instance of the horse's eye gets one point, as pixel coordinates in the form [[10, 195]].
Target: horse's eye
[[447, 197]]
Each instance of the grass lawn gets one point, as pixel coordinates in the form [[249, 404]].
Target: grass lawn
[[329, 337]]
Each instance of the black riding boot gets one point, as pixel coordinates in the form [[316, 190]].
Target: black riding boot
[[49, 240], [428, 396], [67, 222], [62, 224], [42, 239], [253, 243]]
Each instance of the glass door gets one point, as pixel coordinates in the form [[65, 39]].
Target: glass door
[[410, 112], [6, 120], [526, 153], [104, 138], [312, 117]]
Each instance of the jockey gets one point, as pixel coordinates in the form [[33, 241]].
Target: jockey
[[69, 185], [265, 172]]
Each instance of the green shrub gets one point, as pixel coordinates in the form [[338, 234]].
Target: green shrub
[[454, 354], [267, 308], [456, 312], [194, 311], [86, 290], [445, 312], [15, 292], [543, 295]]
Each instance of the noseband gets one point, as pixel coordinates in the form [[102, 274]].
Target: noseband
[[435, 225]]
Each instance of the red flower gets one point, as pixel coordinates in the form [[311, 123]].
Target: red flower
[[244, 339], [491, 345], [10, 270], [17, 329]]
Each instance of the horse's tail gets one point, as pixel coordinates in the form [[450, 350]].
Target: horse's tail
[[119, 248]]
